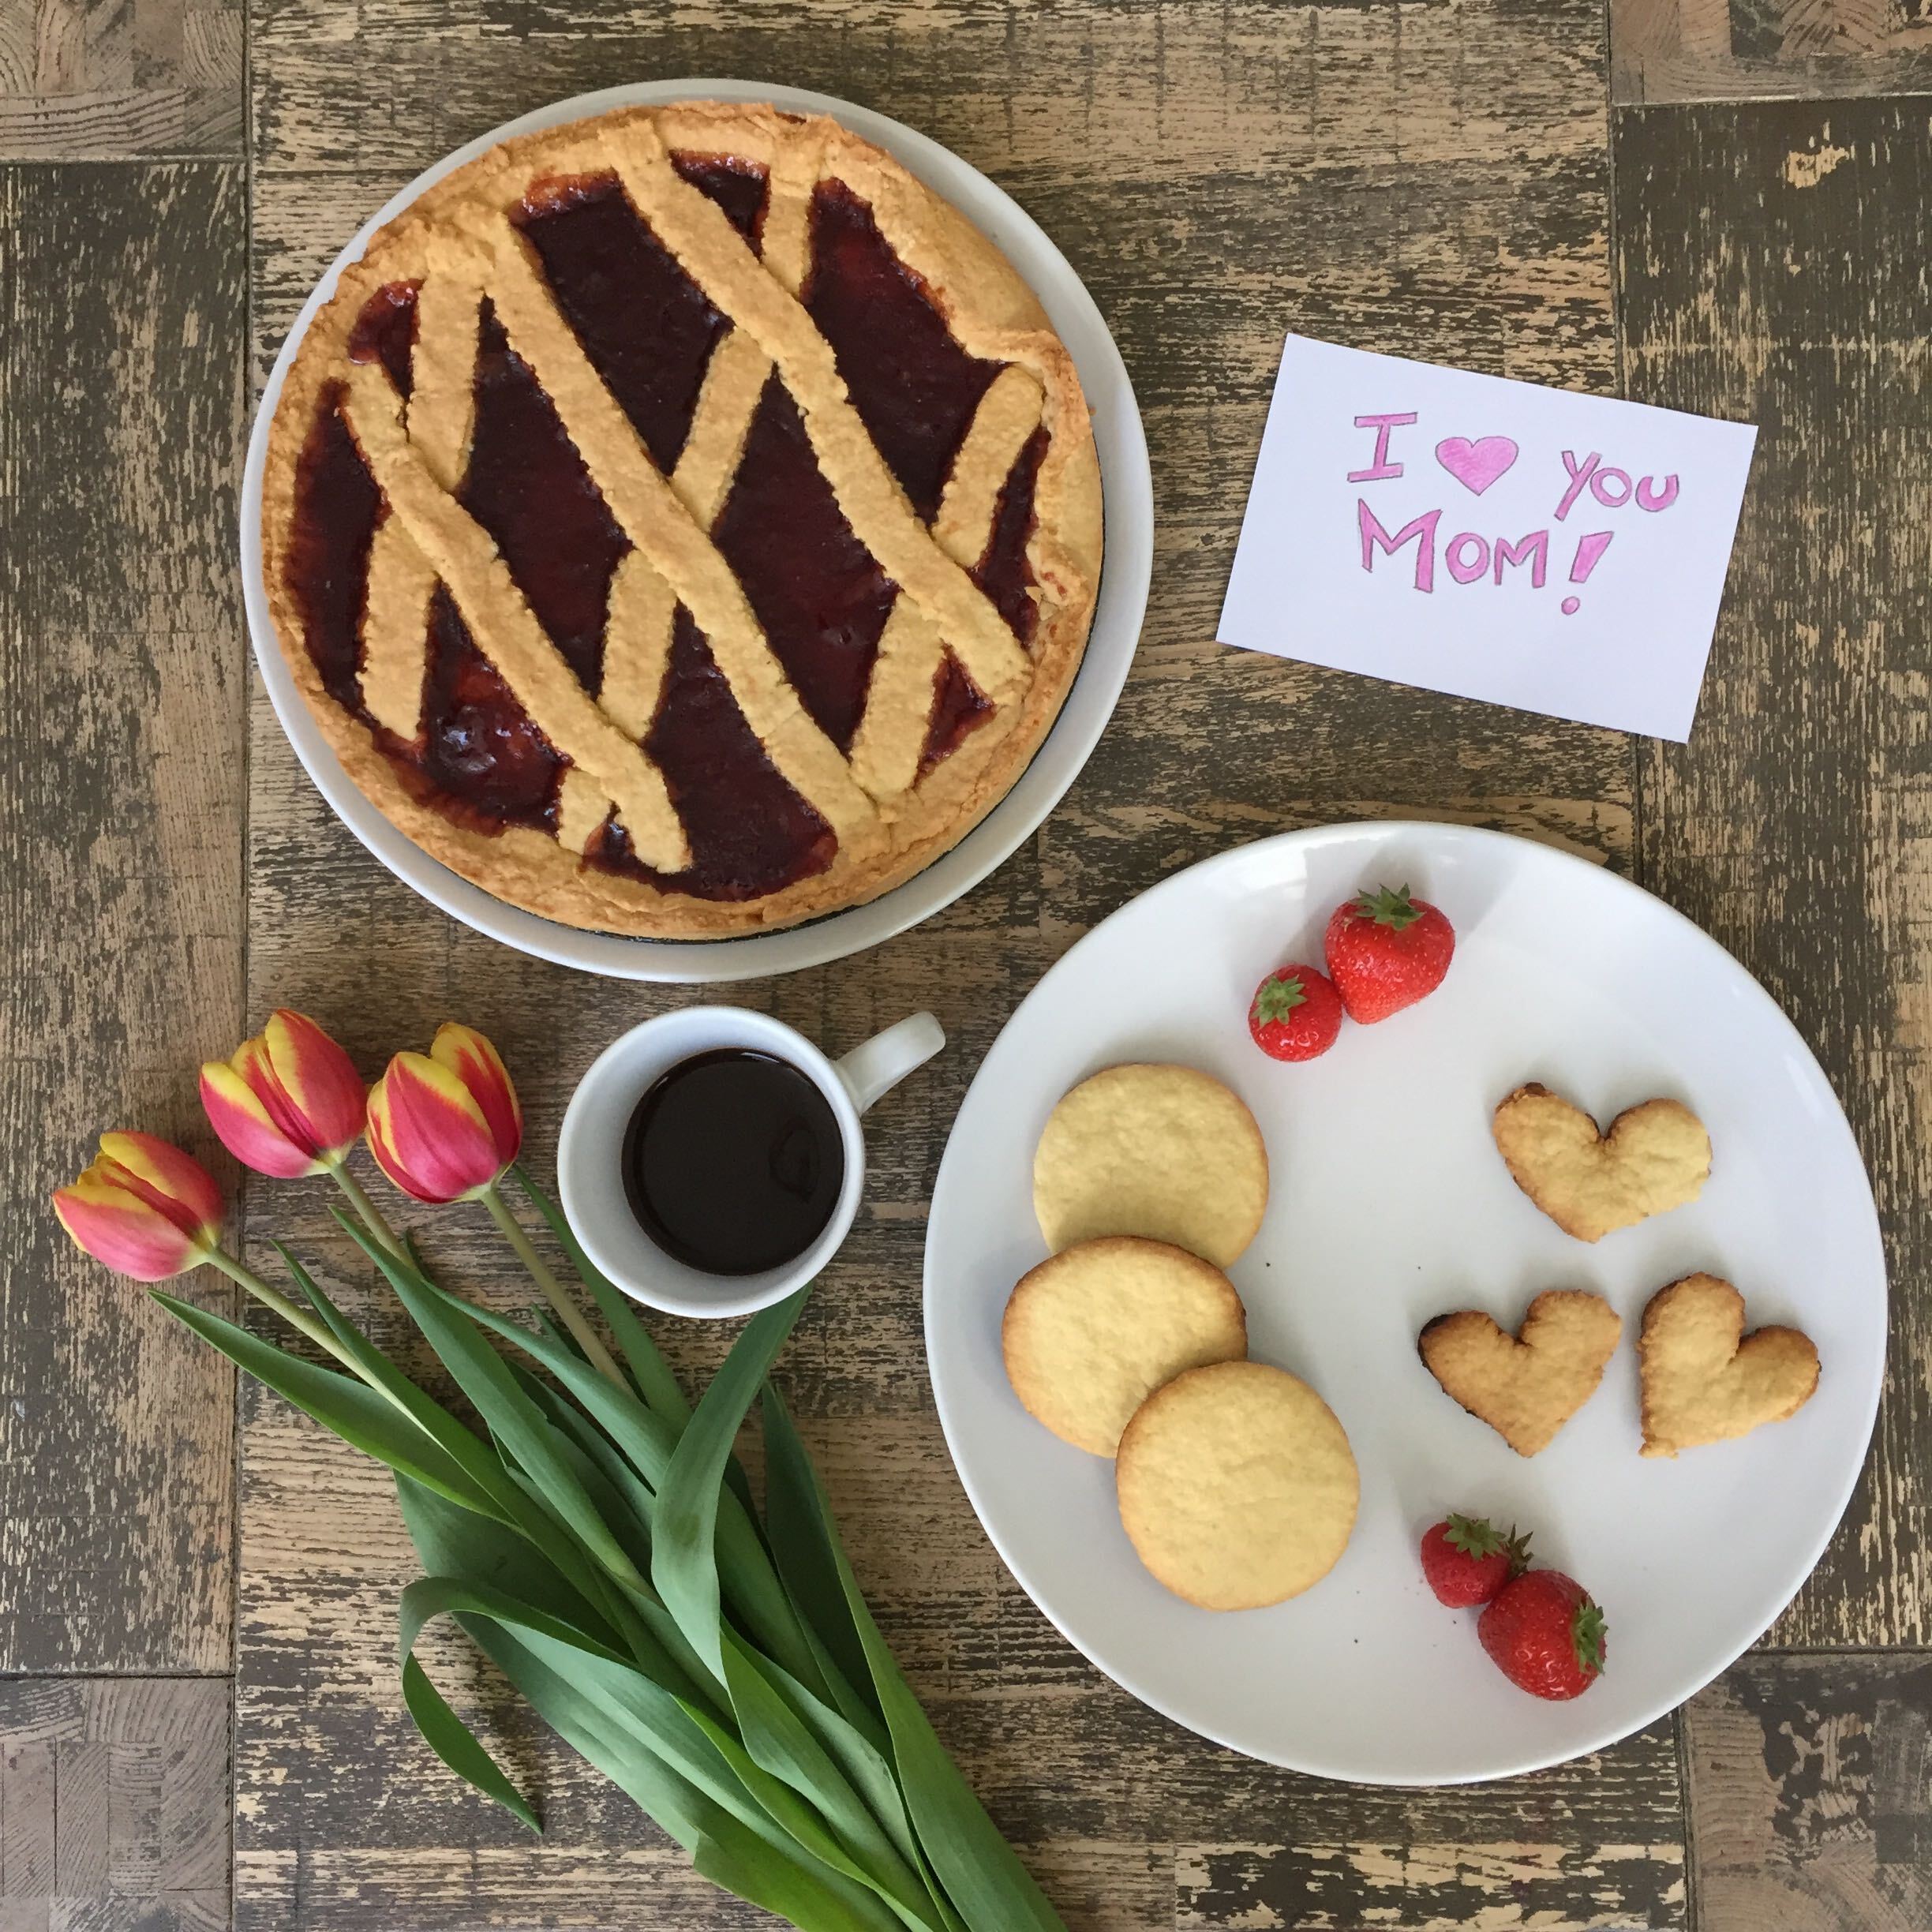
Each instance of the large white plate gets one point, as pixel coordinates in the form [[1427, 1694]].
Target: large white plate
[[1391, 1205], [1127, 493]]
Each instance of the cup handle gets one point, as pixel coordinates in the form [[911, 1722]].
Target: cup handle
[[871, 1071]]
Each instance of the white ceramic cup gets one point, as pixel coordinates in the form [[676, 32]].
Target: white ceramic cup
[[590, 1147]]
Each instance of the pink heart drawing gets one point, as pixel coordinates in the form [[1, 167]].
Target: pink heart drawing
[[1476, 466]]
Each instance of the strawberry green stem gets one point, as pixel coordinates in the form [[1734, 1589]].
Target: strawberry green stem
[[554, 1291]]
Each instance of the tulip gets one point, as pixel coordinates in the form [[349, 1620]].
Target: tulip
[[445, 1125], [287, 1102], [143, 1207]]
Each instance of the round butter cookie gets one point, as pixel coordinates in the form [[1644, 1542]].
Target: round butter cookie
[[1236, 1485], [1091, 1332], [1163, 1151]]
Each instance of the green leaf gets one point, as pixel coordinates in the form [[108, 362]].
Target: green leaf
[[984, 1879], [683, 1564], [520, 1429], [860, 1756], [694, 1745], [805, 1549], [750, 1585], [789, 1890], [752, 1865], [455, 1743], [780, 1742], [361, 1418]]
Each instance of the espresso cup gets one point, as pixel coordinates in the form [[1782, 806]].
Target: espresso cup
[[590, 1147]]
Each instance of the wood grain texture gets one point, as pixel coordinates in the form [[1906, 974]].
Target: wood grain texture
[[1810, 1781], [1217, 173], [119, 80], [121, 804], [1794, 827], [113, 1804], [1663, 50]]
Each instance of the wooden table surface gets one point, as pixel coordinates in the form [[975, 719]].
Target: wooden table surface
[[194, 1585]]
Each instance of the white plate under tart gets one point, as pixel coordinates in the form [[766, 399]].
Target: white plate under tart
[[1127, 489]]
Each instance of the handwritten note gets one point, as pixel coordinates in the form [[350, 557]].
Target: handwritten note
[[1558, 553]]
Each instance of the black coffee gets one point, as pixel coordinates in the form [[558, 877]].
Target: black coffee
[[732, 1161]]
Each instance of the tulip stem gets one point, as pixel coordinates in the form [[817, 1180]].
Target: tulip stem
[[371, 1216], [274, 1299], [554, 1291]]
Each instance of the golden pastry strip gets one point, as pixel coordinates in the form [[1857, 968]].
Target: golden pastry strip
[[401, 581], [891, 737], [715, 256], [461, 554], [656, 519]]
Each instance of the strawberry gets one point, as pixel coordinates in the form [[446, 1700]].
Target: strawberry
[[1385, 951], [1296, 1013], [1545, 1634], [1466, 1560]]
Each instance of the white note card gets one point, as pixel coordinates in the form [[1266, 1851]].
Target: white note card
[[1530, 547]]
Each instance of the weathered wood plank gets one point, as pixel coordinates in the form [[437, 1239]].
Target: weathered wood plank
[[1663, 50], [119, 80], [113, 1804], [1772, 270], [1811, 1785], [121, 805]]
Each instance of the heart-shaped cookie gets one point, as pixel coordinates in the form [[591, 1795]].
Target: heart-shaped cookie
[[1704, 1379], [1528, 1385], [1657, 1156]]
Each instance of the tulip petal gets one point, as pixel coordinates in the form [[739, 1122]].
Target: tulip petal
[[474, 1062], [246, 1127], [143, 1207], [316, 1079], [427, 1132], [174, 1183], [122, 1232]]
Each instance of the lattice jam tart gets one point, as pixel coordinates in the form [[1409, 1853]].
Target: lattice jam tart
[[683, 522]]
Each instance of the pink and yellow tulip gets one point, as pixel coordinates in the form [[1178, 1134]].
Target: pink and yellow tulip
[[287, 1102], [144, 1208], [445, 1125]]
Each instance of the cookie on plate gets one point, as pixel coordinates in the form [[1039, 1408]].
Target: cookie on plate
[[1656, 1156], [1164, 1151], [1528, 1385], [1093, 1330], [1236, 1485], [1704, 1379]]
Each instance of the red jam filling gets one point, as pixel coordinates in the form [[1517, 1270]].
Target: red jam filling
[[750, 833], [385, 332], [1003, 571], [478, 746], [337, 509], [738, 187], [528, 487], [647, 327], [820, 597], [914, 386], [958, 709]]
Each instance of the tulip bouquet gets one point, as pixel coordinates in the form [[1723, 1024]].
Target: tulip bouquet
[[591, 1531]]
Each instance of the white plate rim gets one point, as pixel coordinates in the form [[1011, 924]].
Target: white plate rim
[[1127, 508], [1173, 887]]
